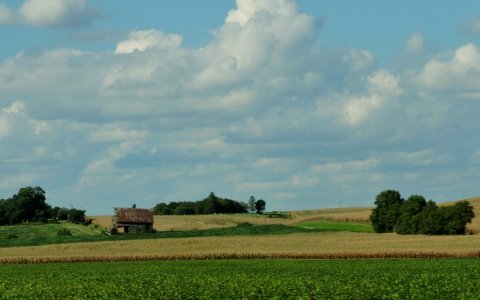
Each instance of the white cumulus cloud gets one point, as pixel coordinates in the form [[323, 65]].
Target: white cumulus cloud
[[460, 73], [146, 39], [49, 13]]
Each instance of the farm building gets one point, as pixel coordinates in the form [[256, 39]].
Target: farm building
[[133, 220]]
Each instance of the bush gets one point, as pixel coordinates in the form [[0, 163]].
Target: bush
[[64, 232], [11, 236], [244, 224]]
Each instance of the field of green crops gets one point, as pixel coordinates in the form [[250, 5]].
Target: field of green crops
[[336, 226], [245, 279]]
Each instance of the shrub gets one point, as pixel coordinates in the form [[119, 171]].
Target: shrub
[[244, 224], [64, 232], [12, 236]]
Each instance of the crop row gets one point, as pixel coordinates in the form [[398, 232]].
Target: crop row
[[245, 279], [232, 256]]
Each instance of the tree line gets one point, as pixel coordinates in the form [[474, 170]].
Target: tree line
[[418, 216], [29, 205], [210, 205]]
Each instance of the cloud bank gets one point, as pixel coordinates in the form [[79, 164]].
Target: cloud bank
[[263, 110]]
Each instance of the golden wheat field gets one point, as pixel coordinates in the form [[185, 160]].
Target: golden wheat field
[[342, 244]]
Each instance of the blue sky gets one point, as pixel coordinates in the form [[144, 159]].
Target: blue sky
[[306, 104]]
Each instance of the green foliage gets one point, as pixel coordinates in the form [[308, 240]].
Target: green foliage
[[72, 215], [161, 209], [76, 216], [409, 222], [29, 205], [244, 224], [12, 236], [245, 279], [210, 205], [336, 226], [417, 216], [26, 206], [64, 232], [40, 234], [47, 233], [260, 206], [387, 211], [185, 208]]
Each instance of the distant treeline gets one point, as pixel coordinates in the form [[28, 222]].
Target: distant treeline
[[210, 205], [418, 216], [29, 205]]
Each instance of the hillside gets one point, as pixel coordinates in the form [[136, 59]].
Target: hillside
[[36, 234], [200, 222]]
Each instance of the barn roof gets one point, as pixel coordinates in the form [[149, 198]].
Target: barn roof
[[133, 215]]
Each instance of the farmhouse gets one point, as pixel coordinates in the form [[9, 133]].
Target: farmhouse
[[133, 220]]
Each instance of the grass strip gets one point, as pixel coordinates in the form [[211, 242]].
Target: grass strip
[[336, 226], [41, 239]]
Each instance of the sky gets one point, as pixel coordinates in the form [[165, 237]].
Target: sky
[[306, 104]]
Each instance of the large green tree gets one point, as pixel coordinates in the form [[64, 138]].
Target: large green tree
[[387, 212], [409, 221], [260, 205], [30, 205], [457, 217]]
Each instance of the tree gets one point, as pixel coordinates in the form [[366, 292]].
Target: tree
[[251, 204], [430, 219], [76, 215], [415, 215], [161, 209], [457, 217], [3, 216], [211, 205], [62, 214], [260, 206], [387, 211], [185, 208], [29, 204], [409, 221]]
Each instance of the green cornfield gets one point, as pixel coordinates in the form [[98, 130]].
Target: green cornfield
[[245, 279]]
